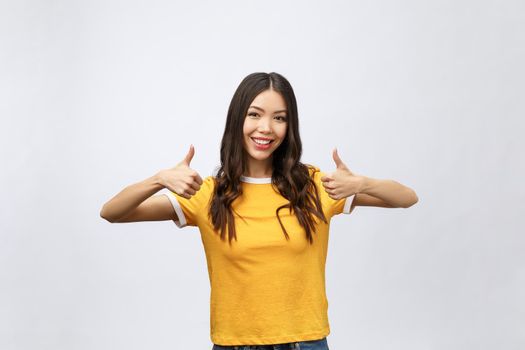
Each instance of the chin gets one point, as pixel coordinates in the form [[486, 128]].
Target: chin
[[260, 157]]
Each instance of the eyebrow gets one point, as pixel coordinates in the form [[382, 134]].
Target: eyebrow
[[259, 108]]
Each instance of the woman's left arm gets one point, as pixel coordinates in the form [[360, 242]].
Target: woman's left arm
[[391, 192], [344, 183]]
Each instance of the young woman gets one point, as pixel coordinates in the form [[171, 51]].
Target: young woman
[[264, 220]]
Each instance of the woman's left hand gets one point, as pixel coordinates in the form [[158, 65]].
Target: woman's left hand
[[342, 182]]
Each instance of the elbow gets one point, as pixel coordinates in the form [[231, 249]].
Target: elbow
[[106, 217], [414, 199]]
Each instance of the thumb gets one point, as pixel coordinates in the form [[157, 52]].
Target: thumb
[[189, 156], [338, 162]]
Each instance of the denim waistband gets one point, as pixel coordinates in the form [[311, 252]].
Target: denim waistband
[[320, 344]]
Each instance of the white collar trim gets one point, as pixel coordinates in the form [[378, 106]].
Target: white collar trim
[[256, 180]]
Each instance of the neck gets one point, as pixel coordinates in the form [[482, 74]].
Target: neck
[[259, 169]]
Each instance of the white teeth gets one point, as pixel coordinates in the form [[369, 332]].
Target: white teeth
[[261, 142]]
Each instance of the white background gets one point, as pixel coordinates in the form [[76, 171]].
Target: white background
[[97, 95]]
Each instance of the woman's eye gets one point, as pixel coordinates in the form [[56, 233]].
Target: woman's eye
[[253, 114]]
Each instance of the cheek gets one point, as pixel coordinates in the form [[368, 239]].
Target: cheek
[[282, 131], [247, 128]]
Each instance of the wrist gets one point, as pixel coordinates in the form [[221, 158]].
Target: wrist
[[366, 184], [157, 180]]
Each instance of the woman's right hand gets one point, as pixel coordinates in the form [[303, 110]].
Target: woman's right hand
[[182, 179]]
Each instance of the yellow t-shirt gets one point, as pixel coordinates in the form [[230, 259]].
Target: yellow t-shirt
[[264, 288]]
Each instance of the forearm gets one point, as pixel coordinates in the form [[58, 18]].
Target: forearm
[[130, 198], [390, 191]]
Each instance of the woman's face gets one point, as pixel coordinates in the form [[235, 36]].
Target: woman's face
[[266, 119]]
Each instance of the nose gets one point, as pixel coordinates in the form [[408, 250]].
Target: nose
[[264, 125]]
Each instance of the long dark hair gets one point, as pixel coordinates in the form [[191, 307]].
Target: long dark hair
[[293, 179]]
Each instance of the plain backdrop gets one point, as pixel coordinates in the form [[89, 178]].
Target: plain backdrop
[[98, 95]]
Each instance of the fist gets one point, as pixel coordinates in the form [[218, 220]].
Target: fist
[[342, 182], [182, 179]]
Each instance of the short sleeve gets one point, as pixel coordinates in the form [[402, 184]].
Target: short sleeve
[[332, 206], [191, 211]]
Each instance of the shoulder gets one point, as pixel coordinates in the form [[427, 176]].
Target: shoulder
[[208, 183], [315, 172], [312, 169]]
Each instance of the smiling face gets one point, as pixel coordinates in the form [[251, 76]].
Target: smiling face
[[266, 119]]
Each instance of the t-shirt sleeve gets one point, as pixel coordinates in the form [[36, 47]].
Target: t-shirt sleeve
[[332, 206], [191, 211]]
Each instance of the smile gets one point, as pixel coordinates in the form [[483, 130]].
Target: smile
[[261, 145], [261, 142]]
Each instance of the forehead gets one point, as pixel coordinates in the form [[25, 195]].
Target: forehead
[[269, 100]]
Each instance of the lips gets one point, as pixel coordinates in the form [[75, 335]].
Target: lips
[[261, 147]]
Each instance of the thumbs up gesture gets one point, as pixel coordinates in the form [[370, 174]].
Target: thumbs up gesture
[[182, 179], [342, 182]]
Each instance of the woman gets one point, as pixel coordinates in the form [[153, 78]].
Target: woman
[[264, 220]]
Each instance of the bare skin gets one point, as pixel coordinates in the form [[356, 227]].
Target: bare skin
[[369, 192], [136, 203]]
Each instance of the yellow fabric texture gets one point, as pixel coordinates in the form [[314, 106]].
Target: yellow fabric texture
[[264, 289]]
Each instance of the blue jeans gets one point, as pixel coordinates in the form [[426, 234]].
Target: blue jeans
[[320, 344]]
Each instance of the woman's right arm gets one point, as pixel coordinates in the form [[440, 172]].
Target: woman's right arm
[[136, 203]]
